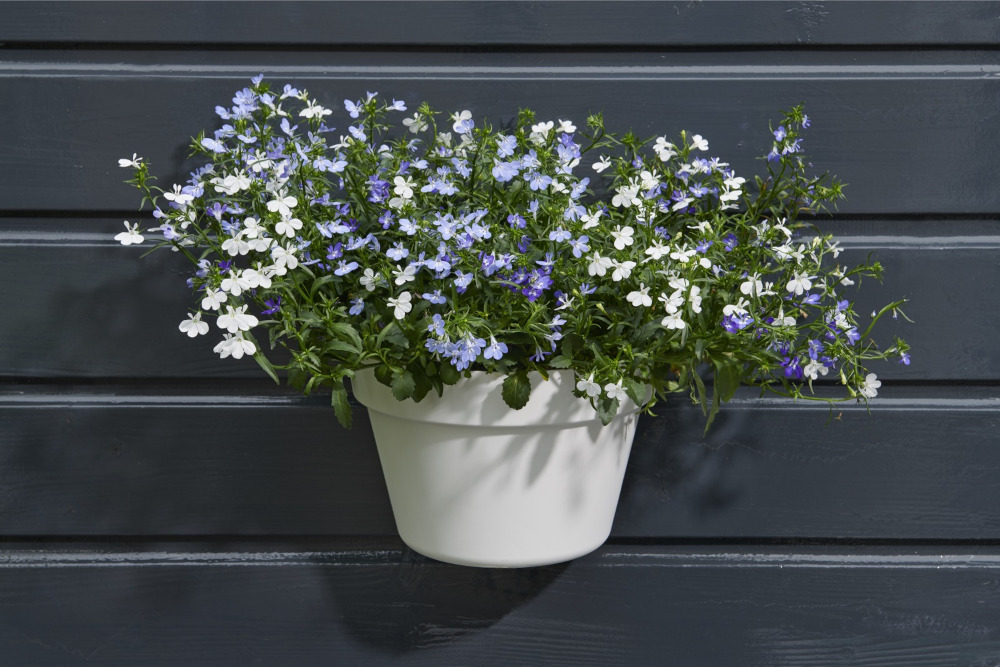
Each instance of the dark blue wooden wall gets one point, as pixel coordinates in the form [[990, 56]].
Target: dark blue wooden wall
[[158, 506]]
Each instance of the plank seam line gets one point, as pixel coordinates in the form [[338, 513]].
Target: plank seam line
[[42, 70], [69, 239], [34, 401], [617, 559]]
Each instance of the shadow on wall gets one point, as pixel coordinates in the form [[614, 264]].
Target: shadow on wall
[[424, 604]]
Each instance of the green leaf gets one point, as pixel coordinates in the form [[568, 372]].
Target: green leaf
[[607, 408], [702, 394], [571, 343], [403, 386], [647, 331], [383, 375], [341, 407], [266, 365], [334, 345], [715, 408], [516, 390], [448, 373], [727, 379], [319, 283], [562, 361], [349, 332], [422, 384], [636, 390]]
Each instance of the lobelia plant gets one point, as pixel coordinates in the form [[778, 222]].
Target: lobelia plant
[[429, 251]]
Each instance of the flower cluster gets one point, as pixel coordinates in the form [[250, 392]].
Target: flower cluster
[[434, 246]]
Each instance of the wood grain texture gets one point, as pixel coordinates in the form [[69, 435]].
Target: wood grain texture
[[531, 24], [921, 466], [124, 309], [158, 506], [615, 607], [874, 115]]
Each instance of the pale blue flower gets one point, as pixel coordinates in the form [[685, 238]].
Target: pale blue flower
[[345, 267], [495, 350], [397, 252], [434, 297], [560, 234], [506, 145]]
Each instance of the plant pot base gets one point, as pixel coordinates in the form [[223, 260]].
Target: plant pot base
[[476, 483]]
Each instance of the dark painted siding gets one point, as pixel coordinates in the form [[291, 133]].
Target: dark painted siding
[[160, 507]]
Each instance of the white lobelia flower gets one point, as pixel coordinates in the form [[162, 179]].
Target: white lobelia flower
[[738, 308], [694, 298], [404, 187], [252, 228], [231, 184], [623, 236], [599, 265], [401, 306], [657, 251], [673, 322], [682, 254], [540, 132], [314, 110], [180, 198], [214, 299], [869, 388], [235, 283], [752, 286], [602, 164], [622, 270], [406, 275], [799, 284], [590, 219], [234, 346], [282, 205], [615, 391], [130, 235], [288, 227], [566, 126], [134, 162], [415, 124], [236, 245], [640, 297], [672, 303], [236, 319], [262, 244], [627, 196], [461, 120], [664, 149], [589, 387], [699, 142], [193, 326], [368, 280], [814, 369], [284, 259], [258, 278], [648, 180], [783, 320]]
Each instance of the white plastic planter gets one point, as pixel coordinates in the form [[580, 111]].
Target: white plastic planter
[[473, 482]]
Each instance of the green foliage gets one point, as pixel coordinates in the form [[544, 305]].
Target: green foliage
[[436, 246]]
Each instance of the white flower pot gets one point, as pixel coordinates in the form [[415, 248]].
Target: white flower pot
[[473, 482]]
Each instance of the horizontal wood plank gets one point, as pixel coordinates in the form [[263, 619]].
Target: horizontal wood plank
[[525, 24], [922, 465], [641, 607], [103, 310], [71, 120]]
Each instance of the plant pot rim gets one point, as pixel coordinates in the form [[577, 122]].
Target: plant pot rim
[[551, 403]]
